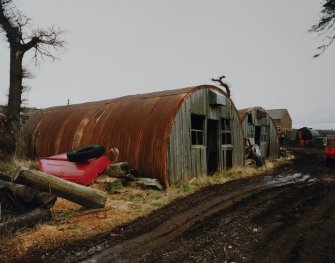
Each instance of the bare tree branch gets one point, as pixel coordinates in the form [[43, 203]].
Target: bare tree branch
[[325, 26], [5, 21], [225, 85], [43, 43]]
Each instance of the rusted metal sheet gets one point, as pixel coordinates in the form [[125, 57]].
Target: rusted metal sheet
[[243, 113], [138, 125]]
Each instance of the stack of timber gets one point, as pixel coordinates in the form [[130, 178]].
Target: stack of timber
[[26, 198], [82, 195], [22, 206], [123, 171]]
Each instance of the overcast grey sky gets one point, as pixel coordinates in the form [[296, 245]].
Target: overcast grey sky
[[121, 47]]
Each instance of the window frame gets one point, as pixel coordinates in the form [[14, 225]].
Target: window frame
[[226, 132], [198, 135], [264, 133], [250, 130]]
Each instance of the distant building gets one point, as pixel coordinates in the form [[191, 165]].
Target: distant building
[[282, 120], [307, 134], [310, 137], [260, 129]]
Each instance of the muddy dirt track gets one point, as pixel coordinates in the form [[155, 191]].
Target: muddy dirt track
[[285, 216]]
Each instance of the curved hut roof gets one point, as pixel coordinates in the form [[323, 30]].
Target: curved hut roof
[[261, 117], [243, 113], [138, 125]]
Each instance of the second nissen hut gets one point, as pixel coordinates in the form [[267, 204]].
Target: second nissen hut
[[259, 129], [172, 135]]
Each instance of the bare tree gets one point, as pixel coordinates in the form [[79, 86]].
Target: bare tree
[[21, 38], [326, 25], [225, 85]]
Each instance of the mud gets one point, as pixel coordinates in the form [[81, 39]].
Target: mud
[[285, 216]]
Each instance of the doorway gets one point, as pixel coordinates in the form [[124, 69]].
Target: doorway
[[212, 146], [258, 135], [227, 154]]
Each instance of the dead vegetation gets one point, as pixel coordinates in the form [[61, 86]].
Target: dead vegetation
[[72, 222]]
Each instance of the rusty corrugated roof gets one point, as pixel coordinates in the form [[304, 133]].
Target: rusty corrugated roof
[[138, 125], [243, 113]]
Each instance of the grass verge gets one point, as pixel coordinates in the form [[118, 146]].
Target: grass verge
[[71, 222]]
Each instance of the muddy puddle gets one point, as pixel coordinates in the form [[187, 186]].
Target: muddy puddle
[[284, 179]]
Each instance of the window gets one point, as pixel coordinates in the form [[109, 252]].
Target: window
[[261, 114], [197, 129], [249, 118], [226, 133], [250, 130], [264, 133]]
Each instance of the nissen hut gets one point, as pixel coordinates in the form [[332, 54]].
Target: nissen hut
[[172, 135], [259, 129]]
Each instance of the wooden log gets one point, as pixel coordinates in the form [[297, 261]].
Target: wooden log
[[147, 182], [28, 219], [117, 169], [24, 193], [128, 177], [73, 192], [8, 203], [5, 177], [29, 197], [45, 199]]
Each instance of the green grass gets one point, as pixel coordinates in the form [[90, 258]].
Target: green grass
[[8, 168], [185, 187], [112, 187]]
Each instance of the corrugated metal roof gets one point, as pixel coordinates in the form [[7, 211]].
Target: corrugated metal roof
[[138, 125], [277, 114], [243, 113]]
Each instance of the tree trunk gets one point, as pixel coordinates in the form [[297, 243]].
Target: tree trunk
[[14, 97], [76, 193]]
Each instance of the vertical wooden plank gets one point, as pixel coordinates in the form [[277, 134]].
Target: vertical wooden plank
[[185, 161]]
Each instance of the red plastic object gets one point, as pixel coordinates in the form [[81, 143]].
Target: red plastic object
[[330, 147], [80, 173], [330, 151]]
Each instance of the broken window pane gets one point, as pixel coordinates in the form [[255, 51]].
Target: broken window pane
[[249, 118], [197, 129], [226, 132], [226, 138], [225, 124], [264, 133], [250, 130]]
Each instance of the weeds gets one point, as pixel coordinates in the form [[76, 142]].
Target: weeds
[[184, 187], [8, 168], [63, 217], [112, 187], [11, 167]]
